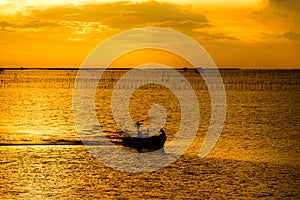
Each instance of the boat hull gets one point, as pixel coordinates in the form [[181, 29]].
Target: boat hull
[[153, 143]]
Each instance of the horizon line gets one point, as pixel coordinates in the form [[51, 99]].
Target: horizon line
[[129, 68]]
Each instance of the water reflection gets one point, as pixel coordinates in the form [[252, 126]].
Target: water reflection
[[257, 155]]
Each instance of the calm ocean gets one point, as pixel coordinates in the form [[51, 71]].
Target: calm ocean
[[256, 156]]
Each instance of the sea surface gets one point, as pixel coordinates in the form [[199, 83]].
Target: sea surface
[[256, 156]]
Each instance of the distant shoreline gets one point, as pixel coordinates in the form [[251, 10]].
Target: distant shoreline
[[73, 69]]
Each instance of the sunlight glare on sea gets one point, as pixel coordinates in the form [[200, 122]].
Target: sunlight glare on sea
[[257, 155]]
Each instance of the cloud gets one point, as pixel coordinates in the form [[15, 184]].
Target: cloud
[[291, 5], [108, 17], [287, 10], [292, 36], [125, 15], [188, 25], [22, 25], [276, 19]]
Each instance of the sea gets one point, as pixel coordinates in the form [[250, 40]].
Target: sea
[[256, 155]]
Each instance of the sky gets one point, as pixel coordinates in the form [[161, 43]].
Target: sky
[[236, 33]]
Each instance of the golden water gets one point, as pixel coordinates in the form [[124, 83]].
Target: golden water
[[257, 155]]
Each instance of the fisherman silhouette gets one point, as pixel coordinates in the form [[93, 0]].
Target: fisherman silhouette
[[138, 126]]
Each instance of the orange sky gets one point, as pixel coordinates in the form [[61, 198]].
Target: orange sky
[[236, 33]]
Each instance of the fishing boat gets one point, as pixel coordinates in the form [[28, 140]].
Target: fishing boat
[[153, 143]]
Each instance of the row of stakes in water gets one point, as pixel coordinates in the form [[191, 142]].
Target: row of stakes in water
[[233, 80], [262, 85]]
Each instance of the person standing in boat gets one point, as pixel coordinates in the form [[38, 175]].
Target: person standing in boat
[[138, 126]]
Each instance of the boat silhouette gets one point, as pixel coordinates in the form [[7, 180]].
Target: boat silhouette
[[151, 143]]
